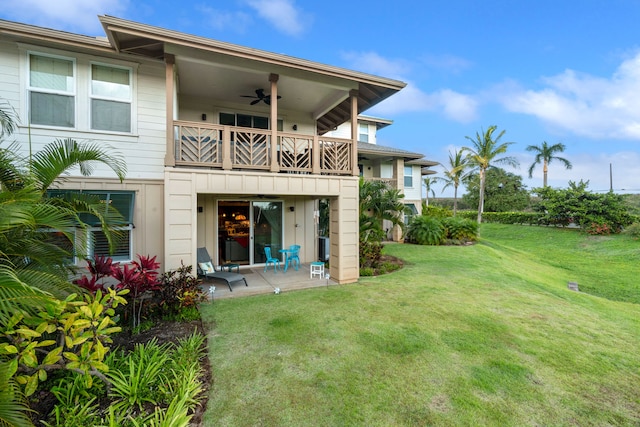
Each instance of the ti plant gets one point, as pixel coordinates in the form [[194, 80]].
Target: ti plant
[[66, 334]]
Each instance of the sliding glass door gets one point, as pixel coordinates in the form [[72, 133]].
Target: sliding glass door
[[245, 228], [267, 229]]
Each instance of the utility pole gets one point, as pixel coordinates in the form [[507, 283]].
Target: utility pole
[[610, 178]]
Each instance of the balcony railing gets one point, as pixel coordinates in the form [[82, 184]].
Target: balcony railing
[[232, 147]]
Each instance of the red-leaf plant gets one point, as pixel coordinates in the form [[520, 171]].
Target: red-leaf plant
[[140, 278], [100, 269]]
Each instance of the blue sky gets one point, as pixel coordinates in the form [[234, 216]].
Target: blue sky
[[557, 71]]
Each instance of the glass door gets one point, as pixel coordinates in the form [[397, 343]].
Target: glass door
[[267, 229]]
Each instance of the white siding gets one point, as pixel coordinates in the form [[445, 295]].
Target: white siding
[[143, 149], [414, 193]]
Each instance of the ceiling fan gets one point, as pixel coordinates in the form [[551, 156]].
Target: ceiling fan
[[260, 96]]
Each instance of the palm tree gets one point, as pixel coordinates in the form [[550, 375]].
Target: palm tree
[[483, 154], [454, 176], [378, 202], [428, 182], [33, 267], [545, 154]]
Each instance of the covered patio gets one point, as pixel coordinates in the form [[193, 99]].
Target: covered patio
[[261, 282]]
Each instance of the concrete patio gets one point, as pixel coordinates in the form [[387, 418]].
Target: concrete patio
[[266, 282]]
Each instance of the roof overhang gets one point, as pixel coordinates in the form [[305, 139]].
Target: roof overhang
[[152, 42]]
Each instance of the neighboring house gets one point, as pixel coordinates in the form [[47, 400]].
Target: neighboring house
[[401, 169], [226, 146]]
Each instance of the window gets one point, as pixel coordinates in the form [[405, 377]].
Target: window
[[123, 202], [409, 212], [51, 91], [363, 132], [247, 121], [408, 176], [110, 98]]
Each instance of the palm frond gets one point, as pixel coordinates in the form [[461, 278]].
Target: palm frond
[[56, 159]]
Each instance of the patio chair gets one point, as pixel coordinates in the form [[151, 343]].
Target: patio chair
[[294, 255], [208, 270], [270, 260]]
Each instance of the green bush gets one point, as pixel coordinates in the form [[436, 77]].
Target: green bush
[[426, 230], [594, 213], [370, 253], [436, 211], [633, 230], [460, 229]]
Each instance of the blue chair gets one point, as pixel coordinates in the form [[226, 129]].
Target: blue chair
[[271, 260], [294, 255]]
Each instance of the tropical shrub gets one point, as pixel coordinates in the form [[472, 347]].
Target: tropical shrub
[[436, 211], [425, 230], [633, 230], [179, 294], [460, 229], [140, 280], [594, 213]]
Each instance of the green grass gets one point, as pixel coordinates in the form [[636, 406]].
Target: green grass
[[478, 335]]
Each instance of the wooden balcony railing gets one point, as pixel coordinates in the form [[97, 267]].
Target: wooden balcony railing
[[231, 147]]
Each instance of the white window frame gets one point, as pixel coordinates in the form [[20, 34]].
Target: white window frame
[[73, 93], [91, 243], [92, 97], [363, 132], [408, 178]]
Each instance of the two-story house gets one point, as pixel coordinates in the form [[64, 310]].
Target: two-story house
[[401, 169], [226, 146]]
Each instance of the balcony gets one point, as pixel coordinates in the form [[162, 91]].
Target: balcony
[[241, 148]]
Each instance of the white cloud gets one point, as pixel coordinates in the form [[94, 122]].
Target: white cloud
[[283, 15], [453, 105], [583, 104], [447, 63], [70, 15], [225, 21]]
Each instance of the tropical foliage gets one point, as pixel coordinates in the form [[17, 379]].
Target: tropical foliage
[[504, 191], [546, 153], [595, 213], [484, 153], [378, 202]]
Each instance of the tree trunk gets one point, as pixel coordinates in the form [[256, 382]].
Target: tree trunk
[[545, 168], [455, 199], [481, 196]]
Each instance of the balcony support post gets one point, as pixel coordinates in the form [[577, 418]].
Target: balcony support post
[[226, 148], [315, 155], [169, 156], [273, 121], [354, 132]]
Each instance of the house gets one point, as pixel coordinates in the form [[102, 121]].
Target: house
[[401, 169], [226, 146]]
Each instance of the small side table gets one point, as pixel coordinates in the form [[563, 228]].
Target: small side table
[[317, 268], [230, 266]]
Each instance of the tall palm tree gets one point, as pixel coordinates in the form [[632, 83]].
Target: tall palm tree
[[483, 154], [453, 177], [545, 154], [428, 183]]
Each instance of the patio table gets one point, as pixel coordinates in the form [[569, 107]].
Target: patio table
[[286, 253]]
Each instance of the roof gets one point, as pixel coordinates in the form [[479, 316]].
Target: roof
[[146, 40], [381, 150], [133, 38]]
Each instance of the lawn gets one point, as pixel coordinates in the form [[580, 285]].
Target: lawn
[[486, 334]]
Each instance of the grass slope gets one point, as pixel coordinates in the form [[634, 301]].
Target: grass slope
[[480, 335]]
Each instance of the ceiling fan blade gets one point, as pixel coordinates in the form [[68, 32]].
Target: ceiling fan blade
[[254, 102]]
